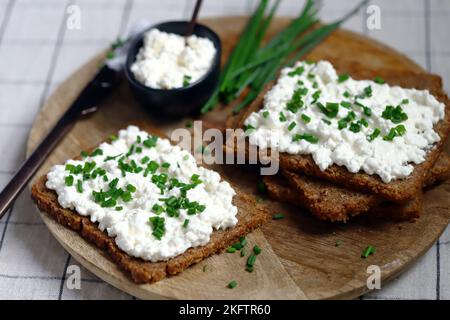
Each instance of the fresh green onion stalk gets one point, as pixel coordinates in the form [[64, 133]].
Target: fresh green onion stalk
[[252, 65]]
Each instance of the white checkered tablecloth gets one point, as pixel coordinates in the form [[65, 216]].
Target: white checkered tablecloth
[[37, 52]]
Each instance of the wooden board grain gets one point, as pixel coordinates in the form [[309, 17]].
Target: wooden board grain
[[300, 259]]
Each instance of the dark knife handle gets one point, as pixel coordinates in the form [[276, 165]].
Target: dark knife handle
[[100, 87]]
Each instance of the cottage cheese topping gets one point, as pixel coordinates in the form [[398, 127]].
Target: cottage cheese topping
[[167, 60], [146, 177], [362, 125]]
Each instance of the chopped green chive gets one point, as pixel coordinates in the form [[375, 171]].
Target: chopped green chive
[[338, 243], [306, 136], [113, 137], [368, 251], [126, 196], [355, 127], [231, 250], [232, 284], [265, 114], [396, 115], [188, 124], [84, 154], [131, 188], [343, 77], [119, 208], [405, 101], [130, 152], [395, 132], [379, 80], [328, 122], [346, 104], [296, 101], [257, 250], [346, 94], [363, 122], [185, 223], [249, 128], [69, 181], [292, 125], [157, 209], [158, 226], [374, 134], [186, 80], [316, 96], [296, 72], [205, 267], [282, 117], [251, 260], [278, 216], [79, 186], [110, 55], [331, 109], [165, 165], [400, 129], [150, 142], [113, 183], [108, 158], [368, 91], [342, 123], [305, 118], [97, 152], [238, 246]]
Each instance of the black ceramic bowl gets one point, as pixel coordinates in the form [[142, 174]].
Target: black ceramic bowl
[[178, 101]]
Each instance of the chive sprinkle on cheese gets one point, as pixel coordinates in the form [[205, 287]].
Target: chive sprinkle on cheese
[[367, 252]]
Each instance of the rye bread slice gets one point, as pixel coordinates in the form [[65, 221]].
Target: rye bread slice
[[250, 216], [278, 189], [335, 203], [398, 190]]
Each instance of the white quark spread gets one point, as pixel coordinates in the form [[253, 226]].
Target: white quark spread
[[168, 60], [149, 195], [362, 125]]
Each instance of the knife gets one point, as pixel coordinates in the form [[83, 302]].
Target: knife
[[101, 86]]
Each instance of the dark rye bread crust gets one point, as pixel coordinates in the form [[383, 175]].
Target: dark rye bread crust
[[279, 190], [397, 190], [330, 202], [250, 216]]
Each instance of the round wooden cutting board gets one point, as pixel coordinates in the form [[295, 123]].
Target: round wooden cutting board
[[299, 259]]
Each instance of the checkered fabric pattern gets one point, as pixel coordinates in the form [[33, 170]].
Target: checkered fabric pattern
[[38, 51]]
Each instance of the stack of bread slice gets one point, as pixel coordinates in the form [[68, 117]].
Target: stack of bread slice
[[336, 194]]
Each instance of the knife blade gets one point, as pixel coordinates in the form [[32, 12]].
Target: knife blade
[[101, 86]]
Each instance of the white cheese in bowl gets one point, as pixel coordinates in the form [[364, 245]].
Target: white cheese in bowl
[[167, 60], [362, 125], [149, 195]]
